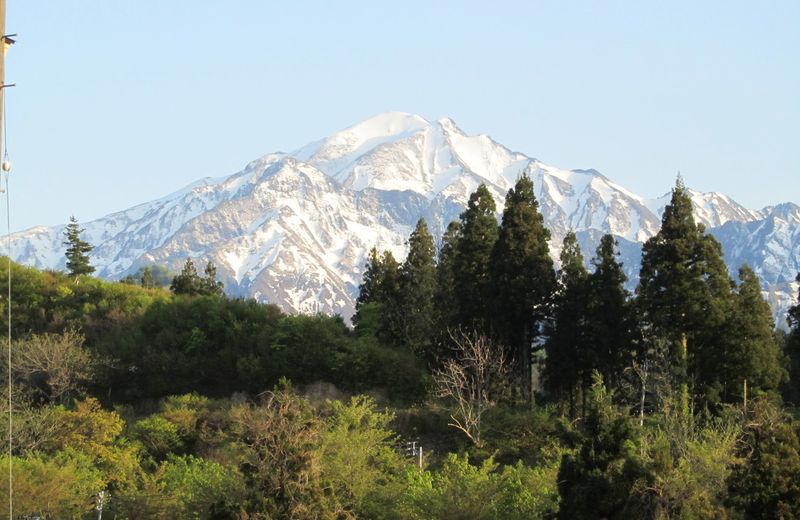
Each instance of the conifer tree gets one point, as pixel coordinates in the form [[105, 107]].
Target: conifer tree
[[565, 365], [792, 349], [753, 357], [368, 291], [378, 297], [209, 285], [522, 276], [478, 234], [187, 282], [446, 305], [684, 295], [77, 250], [389, 298], [597, 480], [793, 316], [390, 278], [417, 284], [610, 323]]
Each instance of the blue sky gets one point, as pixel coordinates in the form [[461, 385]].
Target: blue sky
[[121, 102]]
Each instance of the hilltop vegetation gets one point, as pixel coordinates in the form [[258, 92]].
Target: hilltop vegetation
[[534, 392]]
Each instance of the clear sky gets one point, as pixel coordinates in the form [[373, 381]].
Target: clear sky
[[121, 102]]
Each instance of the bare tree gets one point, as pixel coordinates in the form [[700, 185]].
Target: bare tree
[[472, 379], [52, 365], [646, 379]]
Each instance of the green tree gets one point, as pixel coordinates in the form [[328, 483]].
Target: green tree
[[361, 466], [610, 322], [189, 283], [60, 486], [792, 348], [446, 304], [378, 299], [414, 317], [765, 485], [565, 361], [471, 265], [370, 289], [684, 295], [689, 460], [280, 439], [153, 275], [753, 357], [95, 432], [463, 491], [209, 285], [522, 277], [201, 488], [159, 436], [597, 481], [77, 250], [147, 281]]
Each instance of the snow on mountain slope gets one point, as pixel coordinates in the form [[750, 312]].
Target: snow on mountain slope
[[294, 229], [771, 246], [710, 209]]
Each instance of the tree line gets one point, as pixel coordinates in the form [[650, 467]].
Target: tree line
[[689, 331]]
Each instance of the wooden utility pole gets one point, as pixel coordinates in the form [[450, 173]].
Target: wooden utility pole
[[2, 68], [7, 41]]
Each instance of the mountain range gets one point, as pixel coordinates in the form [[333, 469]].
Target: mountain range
[[295, 228]]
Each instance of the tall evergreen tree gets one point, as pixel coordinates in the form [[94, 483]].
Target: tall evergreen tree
[[597, 480], [378, 297], [369, 290], [522, 276], [478, 234], [389, 298], [209, 285], [77, 250], [446, 305], [610, 322], [684, 295], [565, 365], [415, 317], [753, 357], [792, 392], [187, 281]]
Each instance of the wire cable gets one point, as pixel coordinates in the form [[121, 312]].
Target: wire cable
[[8, 305]]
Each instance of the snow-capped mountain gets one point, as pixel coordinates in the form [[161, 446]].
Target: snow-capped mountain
[[294, 229]]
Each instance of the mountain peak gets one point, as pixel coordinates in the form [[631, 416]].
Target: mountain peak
[[341, 148], [386, 124]]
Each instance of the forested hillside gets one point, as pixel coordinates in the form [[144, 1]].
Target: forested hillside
[[532, 392]]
